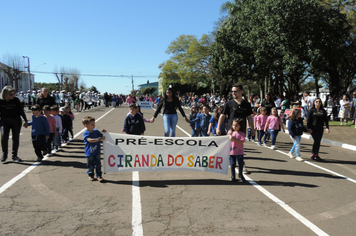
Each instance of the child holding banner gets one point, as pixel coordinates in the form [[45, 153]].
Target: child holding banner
[[237, 137], [92, 138], [204, 119], [134, 123]]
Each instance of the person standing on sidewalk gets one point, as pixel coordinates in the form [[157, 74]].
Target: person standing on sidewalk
[[317, 117], [11, 111]]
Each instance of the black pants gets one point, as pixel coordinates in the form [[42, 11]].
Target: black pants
[[15, 125], [317, 135], [39, 144]]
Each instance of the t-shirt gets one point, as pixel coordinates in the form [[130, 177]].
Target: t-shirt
[[262, 120], [236, 147], [215, 125], [234, 110], [91, 149], [273, 122], [52, 122]]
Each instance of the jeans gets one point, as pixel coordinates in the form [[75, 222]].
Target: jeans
[[15, 125], [249, 136], [260, 135], [296, 145], [317, 135], [306, 111], [49, 142], [195, 133], [203, 133], [94, 162], [274, 134], [170, 123], [240, 162]]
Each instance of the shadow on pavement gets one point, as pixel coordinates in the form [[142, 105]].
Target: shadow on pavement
[[291, 172]]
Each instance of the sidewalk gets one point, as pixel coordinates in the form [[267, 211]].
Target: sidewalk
[[341, 136]]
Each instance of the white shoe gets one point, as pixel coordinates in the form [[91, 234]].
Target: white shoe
[[264, 144], [299, 159], [290, 155], [258, 144], [273, 147]]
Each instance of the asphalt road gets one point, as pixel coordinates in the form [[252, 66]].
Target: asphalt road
[[282, 196]]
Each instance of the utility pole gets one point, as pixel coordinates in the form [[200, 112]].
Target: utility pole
[[133, 88]]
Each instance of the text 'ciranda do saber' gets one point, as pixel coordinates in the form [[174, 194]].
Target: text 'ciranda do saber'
[[124, 152]]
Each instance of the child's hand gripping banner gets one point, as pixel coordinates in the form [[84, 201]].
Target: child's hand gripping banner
[[124, 152]]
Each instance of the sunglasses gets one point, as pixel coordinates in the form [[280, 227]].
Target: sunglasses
[[235, 91]]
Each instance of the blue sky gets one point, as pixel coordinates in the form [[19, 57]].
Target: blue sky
[[101, 37]]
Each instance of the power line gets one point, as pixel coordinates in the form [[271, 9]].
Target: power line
[[98, 75]]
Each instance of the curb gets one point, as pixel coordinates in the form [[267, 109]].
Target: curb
[[330, 142]]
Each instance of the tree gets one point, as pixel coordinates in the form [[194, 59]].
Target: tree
[[68, 78], [93, 89], [282, 42], [148, 90], [49, 86], [189, 63]]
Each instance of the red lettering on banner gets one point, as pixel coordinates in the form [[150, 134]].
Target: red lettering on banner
[[111, 164], [170, 160], [145, 161], [137, 160], [219, 161]]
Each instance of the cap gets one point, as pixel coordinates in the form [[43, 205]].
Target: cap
[[62, 109]]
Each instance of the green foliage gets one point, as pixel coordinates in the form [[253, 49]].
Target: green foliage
[[93, 89], [282, 42], [189, 63], [148, 90]]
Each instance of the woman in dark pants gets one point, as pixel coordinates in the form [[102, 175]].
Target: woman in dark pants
[[11, 111], [317, 117]]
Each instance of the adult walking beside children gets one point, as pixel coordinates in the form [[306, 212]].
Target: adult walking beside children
[[45, 99], [236, 108], [317, 117], [11, 111], [169, 103]]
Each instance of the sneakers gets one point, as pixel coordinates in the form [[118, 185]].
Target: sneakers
[[273, 147], [290, 155], [232, 179], [91, 178], [259, 144], [39, 159], [242, 179], [264, 144], [312, 157], [16, 159], [49, 154], [317, 158], [100, 179], [299, 159]]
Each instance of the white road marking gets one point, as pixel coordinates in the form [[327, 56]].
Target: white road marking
[[33, 166], [290, 210], [137, 229]]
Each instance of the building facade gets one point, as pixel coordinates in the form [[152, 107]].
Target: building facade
[[24, 81]]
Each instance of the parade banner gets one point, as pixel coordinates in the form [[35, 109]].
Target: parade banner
[[124, 152], [145, 105]]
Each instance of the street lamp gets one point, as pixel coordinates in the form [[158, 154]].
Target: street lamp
[[40, 65], [29, 74]]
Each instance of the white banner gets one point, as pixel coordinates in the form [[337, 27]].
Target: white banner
[[145, 105], [124, 152]]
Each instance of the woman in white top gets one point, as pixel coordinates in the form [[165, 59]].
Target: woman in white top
[[344, 109]]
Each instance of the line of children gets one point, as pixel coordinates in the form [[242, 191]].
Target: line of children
[[58, 132], [52, 126], [40, 132], [204, 121], [260, 125], [274, 124]]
